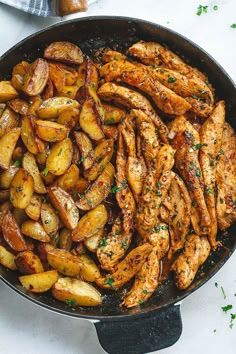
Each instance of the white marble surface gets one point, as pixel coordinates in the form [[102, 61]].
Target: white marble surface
[[27, 329]]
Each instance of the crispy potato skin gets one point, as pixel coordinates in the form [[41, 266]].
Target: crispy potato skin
[[12, 234], [60, 157], [8, 121], [7, 259], [7, 91], [49, 218], [39, 282], [65, 262], [36, 77], [30, 165], [7, 176], [34, 230], [34, 208], [19, 106], [28, 263], [54, 106], [69, 179], [7, 146], [90, 120], [85, 148], [92, 242], [65, 52], [50, 131], [22, 188]]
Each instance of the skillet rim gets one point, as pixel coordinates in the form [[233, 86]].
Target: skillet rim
[[219, 264]]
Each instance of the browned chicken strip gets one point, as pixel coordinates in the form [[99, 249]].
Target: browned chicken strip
[[226, 179], [211, 138], [196, 251], [132, 99], [145, 79], [185, 139]]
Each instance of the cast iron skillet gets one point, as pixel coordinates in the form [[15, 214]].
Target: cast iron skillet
[[156, 324]]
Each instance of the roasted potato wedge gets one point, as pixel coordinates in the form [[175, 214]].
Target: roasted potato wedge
[[90, 223], [49, 218], [22, 188], [34, 230], [69, 91], [65, 262], [39, 282], [65, 239], [113, 115], [89, 120], [30, 165], [52, 107], [7, 91], [48, 91], [7, 259], [7, 176], [99, 189], [36, 77], [102, 155], [65, 205], [18, 74], [28, 263], [50, 131], [69, 117], [76, 292], [85, 149], [81, 185], [20, 215], [69, 179], [7, 146], [19, 106], [8, 120], [31, 141], [60, 157], [65, 52], [89, 270], [92, 242], [34, 208], [57, 76], [11, 233]]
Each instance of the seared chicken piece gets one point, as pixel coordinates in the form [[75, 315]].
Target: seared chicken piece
[[196, 251], [124, 195], [149, 139], [110, 55], [114, 246], [132, 99], [155, 189], [178, 204], [144, 79], [185, 139], [127, 268], [211, 138], [152, 53], [226, 179]]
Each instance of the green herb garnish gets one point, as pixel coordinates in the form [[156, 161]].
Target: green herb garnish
[[232, 318], [198, 146], [115, 189], [215, 7], [102, 242], [124, 244], [109, 121], [198, 172], [227, 308], [81, 160], [70, 302], [209, 190], [110, 281], [159, 193], [201, 10], [233, 25], [45, 172], [17, 163], [223, 292], [145, 292], [216, 285], [171, 79]]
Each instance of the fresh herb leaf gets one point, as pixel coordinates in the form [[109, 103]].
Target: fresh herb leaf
[[158, 184], [232, 318], [233, 25], [124, 244], [227, 308], [89, 202], [214, 331], [223, 292], [198, 146], [209, 190], [171, 79], [145, 292], [216, 285], [17, 163], [198, 172], [102, 242], [201, 10], [159, 193], [45, 172], [110, 281], [70, 302], [109, 121], [81, 160], [114, 189], [215, 7]]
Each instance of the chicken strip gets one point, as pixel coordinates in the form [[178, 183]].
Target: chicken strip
[[124, 195], [114, 246], [152, 53], [211, 138], [185, 139], [226, 179], [196, 251], [132, 99], [144, 79], [178, 203]]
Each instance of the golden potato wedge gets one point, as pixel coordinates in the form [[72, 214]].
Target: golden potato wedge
[[6, 177], [50, 131], [52, 107], [8, 120], [7, 146], [42, 250], [35, 102], [19, 215], [69, 179], [39, 282], [33, 210], [48, 91], [69, 117], [18, 74], [32, 143], [65, 205], [36, 77], [71, 74], [69, 91], [65, 239], [65, 262], [60, 157], [89, 270], [41, 157], [49, 218], [90, 223], [89, 120], [113, 115], [19, 106], [7, 91], [99, 190], [85, 148], [22, 188], [102, 155], [11, 233], [65, 52], [81, 185], [28, 263], [92, 243], [57, 76], [76, 292], [7, 259], [30, 165], [34, 230]]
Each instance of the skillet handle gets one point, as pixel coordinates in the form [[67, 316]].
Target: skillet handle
[[142, 335]]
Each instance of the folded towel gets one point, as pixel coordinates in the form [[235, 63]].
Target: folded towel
[[36, 7]]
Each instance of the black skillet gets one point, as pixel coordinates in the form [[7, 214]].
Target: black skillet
[[156, 324]]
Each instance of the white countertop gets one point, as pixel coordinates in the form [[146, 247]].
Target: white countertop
[[28, 329]]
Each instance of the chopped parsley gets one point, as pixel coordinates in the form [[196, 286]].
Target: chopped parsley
[[216, 284], [232, 318], [171, 79], [110, 281], [198, 172], [115, 189], [70, 302], [209, 190], [214, 331], [223, 292], [158, 184], [159, 193], [201, 10], [89, 202], [109, 121], [198, 146], [233, 25], [227, 308], [124, 244], [145, 292], [158, 228], [45, 172], [81, 160], [215, 7], [140, 302], [102, 242], [17, 163]]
